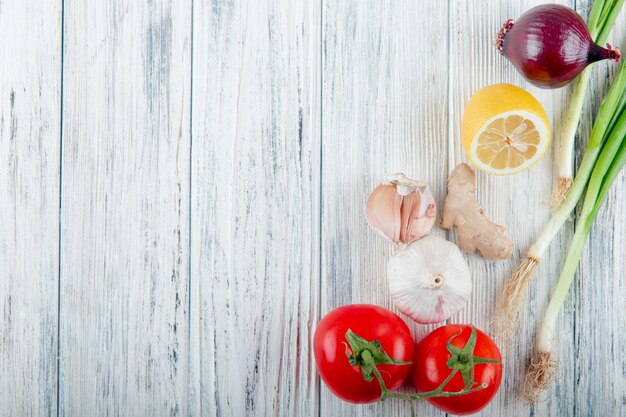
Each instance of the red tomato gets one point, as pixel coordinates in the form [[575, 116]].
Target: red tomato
[[371, 323], [430, 368]]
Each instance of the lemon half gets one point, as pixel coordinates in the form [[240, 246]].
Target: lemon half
[[505, 129]]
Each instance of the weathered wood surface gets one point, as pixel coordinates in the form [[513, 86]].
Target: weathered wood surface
[[520, 202], [30, 117], [124, 318], [383, 111], [255, 208], [208, 162], [597, 302]]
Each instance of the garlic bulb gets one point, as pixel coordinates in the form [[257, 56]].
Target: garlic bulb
[[402, 210], [429, 280]]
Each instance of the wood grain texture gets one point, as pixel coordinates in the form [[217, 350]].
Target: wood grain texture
[[212, 159], [383, 111], [599, 289], [30, 115], [571, 394], [519, 202], [255, 207], [124, 330]]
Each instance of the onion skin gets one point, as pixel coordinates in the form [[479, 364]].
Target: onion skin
[[550, 45]]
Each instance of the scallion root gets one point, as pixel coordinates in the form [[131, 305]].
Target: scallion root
[[541, 372], [506, 320], [561, 188]]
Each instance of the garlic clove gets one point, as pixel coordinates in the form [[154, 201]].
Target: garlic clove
[[383, 211], [402, 209], [429, 280], [418, 215]]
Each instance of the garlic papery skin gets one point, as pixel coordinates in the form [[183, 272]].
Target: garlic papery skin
[[429, 280], [402, 209]]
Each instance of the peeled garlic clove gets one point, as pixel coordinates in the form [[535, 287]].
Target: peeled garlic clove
[[429, 280], [402, 209]]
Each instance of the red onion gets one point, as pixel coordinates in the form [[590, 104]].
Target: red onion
[[550, 45]]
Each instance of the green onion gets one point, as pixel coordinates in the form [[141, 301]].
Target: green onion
[[609, 164], [609, 115], [601, 20]]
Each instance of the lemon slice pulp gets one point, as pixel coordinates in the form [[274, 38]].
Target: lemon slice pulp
[[509, 143], [505, 130]]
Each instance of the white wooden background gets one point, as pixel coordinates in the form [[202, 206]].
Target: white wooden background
[[182, 186]]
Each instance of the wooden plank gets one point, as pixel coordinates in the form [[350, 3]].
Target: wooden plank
[[255, 207], [29, 190], [524, 215], [30, 115], [125, 208], [385, 101], [598, 371], [523, 208], [598, 292]]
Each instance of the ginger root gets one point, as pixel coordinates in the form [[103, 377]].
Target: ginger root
[[476, 231]]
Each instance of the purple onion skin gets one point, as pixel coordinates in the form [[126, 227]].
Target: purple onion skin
[[550, 45]]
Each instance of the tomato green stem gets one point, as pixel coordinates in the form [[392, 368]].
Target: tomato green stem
[[369, 354], [437, 392]]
